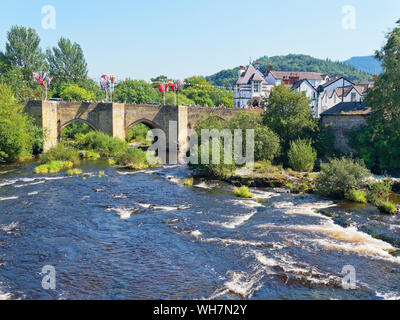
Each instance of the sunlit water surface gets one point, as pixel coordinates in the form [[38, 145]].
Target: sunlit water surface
[[145, 236]]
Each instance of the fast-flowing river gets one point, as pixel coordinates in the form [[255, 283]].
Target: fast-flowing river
[[144, 235]]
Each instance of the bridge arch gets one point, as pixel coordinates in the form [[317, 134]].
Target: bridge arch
[[66, 124], [147, 122]]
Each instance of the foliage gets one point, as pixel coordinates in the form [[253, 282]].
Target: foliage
[[358, 196], [379, 145], [16, 129], [61, 152], [102, 143], [324, 142], [67, 61], [74, 129], [386, 207], [72, 172], [132, 91], [23, 51], [53, 167], [293, 62], [379, 191], [243, 192], [132, 158], [137, 131], [289, 115], [75, 93], [181, 99], [302, 155], [266, 144], [202, 93], [339, 176], [89, 155], [188, 182]]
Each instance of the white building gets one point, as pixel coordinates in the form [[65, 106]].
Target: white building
[[305, 87], [250, 88], [291, 77]]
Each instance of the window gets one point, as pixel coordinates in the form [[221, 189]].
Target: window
[[353, 97], [256, 86]]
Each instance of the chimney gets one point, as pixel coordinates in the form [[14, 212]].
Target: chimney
[[241, 71], [269, 69]]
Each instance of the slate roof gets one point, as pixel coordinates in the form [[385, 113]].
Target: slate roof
[[347, 108], [251, 74], [280, 75]]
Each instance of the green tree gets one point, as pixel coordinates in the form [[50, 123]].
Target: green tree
[[133, 91], [76, 93], [16, 136], [302, 155], [379, 144], [67, 61], [289, 115], [23, 51]]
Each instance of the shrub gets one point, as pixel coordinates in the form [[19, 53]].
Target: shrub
[[379, 191], [61, 152], [76, 93], [266, 144], [16, 136], [188, 182], [386, 207], [132, 158], [302, 155], [75, 171], [102, 143], [138, 131], [74, 129], [339, 176], [53, 167], [89, 155], [358, 196], [243, 192]]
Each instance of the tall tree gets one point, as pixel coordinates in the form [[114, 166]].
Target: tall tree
[[379, 145], [67, 60], [23, 51], [289, 115]]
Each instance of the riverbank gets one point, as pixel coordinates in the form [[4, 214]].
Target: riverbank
[[266, 175]]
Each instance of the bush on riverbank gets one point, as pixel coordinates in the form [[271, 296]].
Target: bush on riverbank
[[358, 196], [243, 192], [61, 152], [188, 182], [89, 155], [53, 167], [132, 158], [73, 172], [101, 143], [302, 155], [386, 207], [339, 176], [18, 134], [379, 191]]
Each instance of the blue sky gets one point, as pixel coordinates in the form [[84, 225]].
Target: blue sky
[[142, 39]]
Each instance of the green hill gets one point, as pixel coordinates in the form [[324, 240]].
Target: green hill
[[293, 62]]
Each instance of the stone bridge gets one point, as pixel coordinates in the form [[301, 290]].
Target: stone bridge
[[115, 118]]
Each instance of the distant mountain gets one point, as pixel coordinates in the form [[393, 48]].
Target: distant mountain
[[366, 64], [293, 62]]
